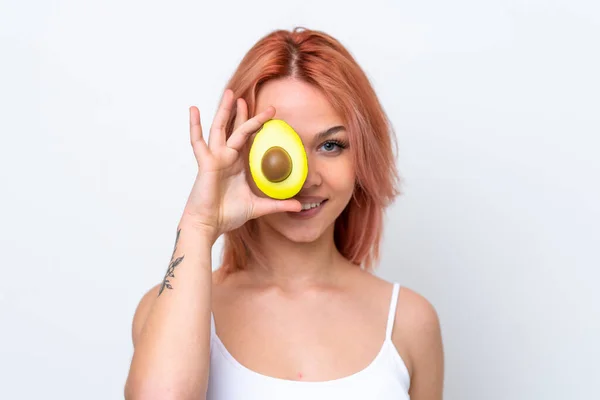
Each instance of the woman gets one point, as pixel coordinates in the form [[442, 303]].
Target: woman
[[294, 311]]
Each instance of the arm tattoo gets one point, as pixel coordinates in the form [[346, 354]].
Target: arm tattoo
[[170, 271]]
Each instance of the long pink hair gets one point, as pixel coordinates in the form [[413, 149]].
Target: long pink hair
[[318, 59]]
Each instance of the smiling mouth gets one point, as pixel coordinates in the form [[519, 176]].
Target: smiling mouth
[[308, 210], [308, 206]]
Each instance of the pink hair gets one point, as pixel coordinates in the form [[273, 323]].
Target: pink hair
[[319, 59]]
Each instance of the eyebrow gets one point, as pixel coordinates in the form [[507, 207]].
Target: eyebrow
[[329, 132]]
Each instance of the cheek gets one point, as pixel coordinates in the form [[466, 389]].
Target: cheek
[[342, 178], [346, 189]]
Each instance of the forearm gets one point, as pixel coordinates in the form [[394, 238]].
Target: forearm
[[171, 357]]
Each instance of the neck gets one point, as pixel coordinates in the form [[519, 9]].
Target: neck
[[293, 265]]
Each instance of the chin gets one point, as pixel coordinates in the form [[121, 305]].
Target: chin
[[301, 235], [298, 231]]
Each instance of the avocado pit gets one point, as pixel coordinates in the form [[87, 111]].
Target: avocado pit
[[276, 164]]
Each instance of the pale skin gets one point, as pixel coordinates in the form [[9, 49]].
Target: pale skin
[[309, 300]]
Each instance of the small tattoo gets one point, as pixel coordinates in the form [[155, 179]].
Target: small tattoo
[[170, 271]]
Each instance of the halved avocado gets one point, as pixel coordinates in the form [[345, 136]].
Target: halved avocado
[[278, 162]]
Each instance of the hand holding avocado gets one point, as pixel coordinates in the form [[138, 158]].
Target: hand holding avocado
[[221, 199]]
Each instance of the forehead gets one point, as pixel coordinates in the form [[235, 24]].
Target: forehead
[[300, 104]]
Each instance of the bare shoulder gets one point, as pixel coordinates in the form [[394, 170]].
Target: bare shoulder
[[417, 336], [141, 312], [415, 315]]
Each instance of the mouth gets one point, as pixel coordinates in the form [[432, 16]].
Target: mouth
[[309, 209]]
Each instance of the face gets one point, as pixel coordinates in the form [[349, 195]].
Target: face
[[331, 175]]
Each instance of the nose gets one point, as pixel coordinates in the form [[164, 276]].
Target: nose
[[313, 177]]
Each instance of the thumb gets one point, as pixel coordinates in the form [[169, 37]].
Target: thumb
[[266, 206]]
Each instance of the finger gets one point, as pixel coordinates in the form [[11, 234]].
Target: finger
[[264, 206], [196, 138], [240, 136], [242, 113], [217, 130]]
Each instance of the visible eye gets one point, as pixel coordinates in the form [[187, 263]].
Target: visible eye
[[331, 146]]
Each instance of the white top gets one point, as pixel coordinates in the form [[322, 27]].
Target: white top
[[386, 377]]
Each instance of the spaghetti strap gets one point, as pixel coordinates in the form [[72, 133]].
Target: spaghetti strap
[[392, 312], [213, 330]]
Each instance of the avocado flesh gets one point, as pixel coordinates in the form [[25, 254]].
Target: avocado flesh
[[274, 147]]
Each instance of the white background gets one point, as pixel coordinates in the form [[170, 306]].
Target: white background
[[496, 107]]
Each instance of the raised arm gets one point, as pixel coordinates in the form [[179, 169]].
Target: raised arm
[[171, 326]]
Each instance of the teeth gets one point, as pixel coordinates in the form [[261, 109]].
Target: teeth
[[308, 206]]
